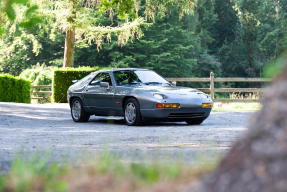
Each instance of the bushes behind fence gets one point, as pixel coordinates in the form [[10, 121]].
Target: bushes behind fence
[[39, 75], [14, 89], [63, 80]]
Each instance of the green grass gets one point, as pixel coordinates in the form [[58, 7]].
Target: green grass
[[35, 174], [237, 107], [104, 174]]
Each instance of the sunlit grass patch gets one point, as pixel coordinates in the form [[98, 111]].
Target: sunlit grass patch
[[237, 107]]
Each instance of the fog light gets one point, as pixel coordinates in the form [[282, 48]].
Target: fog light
[[207, 105]]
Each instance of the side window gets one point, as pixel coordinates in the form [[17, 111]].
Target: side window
[[126, 78], [101, 77]]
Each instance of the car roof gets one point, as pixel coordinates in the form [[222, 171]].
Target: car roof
[[122, 69]]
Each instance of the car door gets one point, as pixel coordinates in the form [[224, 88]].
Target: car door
[[100, 100]]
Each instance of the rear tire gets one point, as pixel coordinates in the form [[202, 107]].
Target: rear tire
[[78, 112], [194, 121], [132, 113]]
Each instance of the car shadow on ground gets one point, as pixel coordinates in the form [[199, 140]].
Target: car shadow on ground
[[121, 121]]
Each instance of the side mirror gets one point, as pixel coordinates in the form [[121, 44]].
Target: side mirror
[[75, 81], [104, 84]]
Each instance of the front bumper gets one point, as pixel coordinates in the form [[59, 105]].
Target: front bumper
[[176, 114]]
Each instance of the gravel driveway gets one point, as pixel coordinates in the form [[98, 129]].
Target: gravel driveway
[[27, 128]]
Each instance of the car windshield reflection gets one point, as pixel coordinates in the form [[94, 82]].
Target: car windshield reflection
[[139, 77]]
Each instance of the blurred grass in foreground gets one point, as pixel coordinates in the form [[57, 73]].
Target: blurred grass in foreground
[[104, 174], [237, 107]]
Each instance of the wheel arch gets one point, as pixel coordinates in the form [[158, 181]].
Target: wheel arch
[[73, 98], [126, 98]]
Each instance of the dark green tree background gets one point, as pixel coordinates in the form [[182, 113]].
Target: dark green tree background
[[230, 38]]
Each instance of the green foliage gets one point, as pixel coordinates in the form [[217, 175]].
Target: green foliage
[[125, 9], [21, 51], [14, 89], [39, 75], [226, 23], [31, 17], [153, 174], [10, 14], [40, 174], [188, 38], [275, 67], [144, 173], [2, 183], [26, 174], [171, 47], [160, 8], [63, 78]]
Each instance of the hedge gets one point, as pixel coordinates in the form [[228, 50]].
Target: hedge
[[14, 89], [63, 78]]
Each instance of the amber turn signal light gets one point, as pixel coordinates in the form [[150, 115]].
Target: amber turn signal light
[[167, 105], [174, 105], [207, 105]]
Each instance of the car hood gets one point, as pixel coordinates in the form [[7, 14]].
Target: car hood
[[172, 90]]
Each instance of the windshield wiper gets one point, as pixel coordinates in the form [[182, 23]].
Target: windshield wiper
[[149, 83], [133, 83], [156, 83]]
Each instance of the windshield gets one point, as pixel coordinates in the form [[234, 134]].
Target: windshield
[[83, 81], [138, 77]]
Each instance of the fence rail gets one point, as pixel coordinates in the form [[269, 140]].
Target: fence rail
[[44, 95], [212, 90]]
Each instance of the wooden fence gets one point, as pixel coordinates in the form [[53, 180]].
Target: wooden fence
[[212, 90], [40, 94], [46, 95]]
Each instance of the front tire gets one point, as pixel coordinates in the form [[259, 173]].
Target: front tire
[[194, 121], [132, 113], [77, 111]]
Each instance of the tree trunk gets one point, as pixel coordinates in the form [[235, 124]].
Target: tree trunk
[[69, 48], [257, 161]]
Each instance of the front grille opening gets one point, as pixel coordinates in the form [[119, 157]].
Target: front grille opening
[[186, 115]]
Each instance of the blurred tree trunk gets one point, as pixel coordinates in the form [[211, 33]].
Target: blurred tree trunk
[[257, 162], [69, 48], [70, 38]]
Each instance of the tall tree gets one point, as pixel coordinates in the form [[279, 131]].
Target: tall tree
[[250, 23], [76, 18], [204, 13], [172, 46], [224, 29]]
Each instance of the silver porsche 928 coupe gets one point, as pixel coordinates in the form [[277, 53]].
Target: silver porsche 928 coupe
[[138, 95]]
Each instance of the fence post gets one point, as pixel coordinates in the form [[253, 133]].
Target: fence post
[[212, 85]]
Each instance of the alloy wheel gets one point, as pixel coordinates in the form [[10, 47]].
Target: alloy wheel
[[76, 110], [130, 113]]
